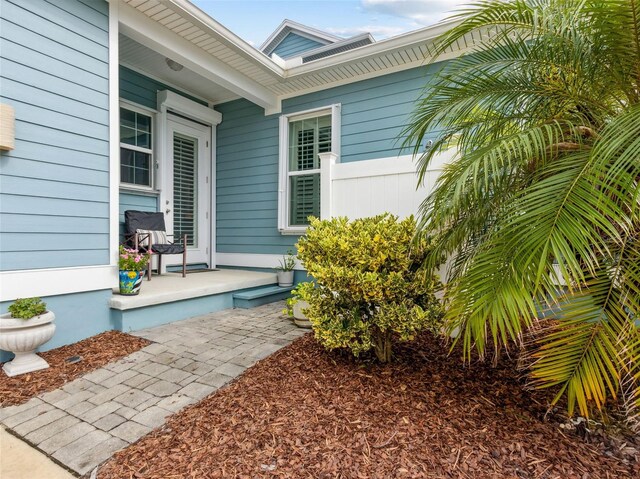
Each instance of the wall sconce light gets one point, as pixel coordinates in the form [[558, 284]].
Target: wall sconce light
[[7, 127], [428, 144], [174, 65]]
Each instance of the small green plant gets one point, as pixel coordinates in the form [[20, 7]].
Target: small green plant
[[291, 301], [288, 262], [132, 260], [288, 310], [370, 288], [26, 308]]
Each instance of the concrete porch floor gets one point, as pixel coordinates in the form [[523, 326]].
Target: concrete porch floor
[[171, 287]]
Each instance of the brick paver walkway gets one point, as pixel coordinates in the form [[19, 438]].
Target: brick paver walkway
[[87, 420]]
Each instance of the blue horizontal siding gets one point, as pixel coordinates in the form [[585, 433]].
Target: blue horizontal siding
[[54, 258], [30, 242], [64, 88], [54, 186], [247, 180], [134, 201], [14, 223], [293, 45], [30, 168], [77, 317], [43, 206], [32, 40], [63, 156], [374, 114], [57, 25]]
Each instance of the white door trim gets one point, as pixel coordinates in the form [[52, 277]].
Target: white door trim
[[204, 201], [171, 101]]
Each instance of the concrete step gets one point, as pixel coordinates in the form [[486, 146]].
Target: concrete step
[[259, 296]]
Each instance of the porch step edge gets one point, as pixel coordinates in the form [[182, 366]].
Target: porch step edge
[[259, 296], [152, 295]]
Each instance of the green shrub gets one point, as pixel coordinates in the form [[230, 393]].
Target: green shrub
[[25, 308], [370, 286]]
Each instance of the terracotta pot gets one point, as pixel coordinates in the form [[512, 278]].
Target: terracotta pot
[[22, 337]]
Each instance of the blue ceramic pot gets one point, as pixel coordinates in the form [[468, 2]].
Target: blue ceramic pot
[[130, 282]]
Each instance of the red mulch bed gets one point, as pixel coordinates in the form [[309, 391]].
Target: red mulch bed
[[95, 352], [306, 413]]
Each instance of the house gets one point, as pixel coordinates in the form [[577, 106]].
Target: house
[[153, 105]]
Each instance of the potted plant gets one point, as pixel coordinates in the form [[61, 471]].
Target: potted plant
[[295, 308], [132, 265], [285, 270], [26, 327]]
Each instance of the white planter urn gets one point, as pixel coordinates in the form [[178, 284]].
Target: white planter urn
[[299, 317], [22, 337], [285, 279]]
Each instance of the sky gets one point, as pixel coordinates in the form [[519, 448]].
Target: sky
[[255, 20]]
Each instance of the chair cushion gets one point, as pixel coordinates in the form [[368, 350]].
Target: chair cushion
[[157, 237], [167, 248]]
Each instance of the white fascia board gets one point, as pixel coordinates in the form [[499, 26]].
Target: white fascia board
[[366, 76], [331, 46], [55, 281], [308, 32], [142, 29]]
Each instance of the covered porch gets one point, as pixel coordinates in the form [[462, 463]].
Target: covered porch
[[168, 87]]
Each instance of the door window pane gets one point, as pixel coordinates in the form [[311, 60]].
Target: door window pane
[[185, 187]]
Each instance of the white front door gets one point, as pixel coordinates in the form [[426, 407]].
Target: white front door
[[186, 192]]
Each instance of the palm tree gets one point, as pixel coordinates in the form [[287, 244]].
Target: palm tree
[[544, 189]]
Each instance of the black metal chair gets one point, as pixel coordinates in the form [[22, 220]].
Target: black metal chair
[[145, 231]]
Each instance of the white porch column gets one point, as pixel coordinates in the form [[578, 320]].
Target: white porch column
[[327, 161]]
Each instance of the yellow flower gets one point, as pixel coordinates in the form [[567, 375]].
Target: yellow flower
[[132, 274]]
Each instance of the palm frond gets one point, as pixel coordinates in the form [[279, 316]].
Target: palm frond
[[544, 113]]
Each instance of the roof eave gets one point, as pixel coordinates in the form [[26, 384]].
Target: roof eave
[[424, 35], [311, 32], [225, 35], [346, 41]]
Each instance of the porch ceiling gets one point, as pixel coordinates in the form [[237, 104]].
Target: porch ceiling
[[139, 57]]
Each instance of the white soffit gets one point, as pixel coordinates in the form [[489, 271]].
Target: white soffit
[[144, 60], [267, 79]]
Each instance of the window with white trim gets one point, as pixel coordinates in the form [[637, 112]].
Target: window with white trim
[[303, 137], [136, 148]]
